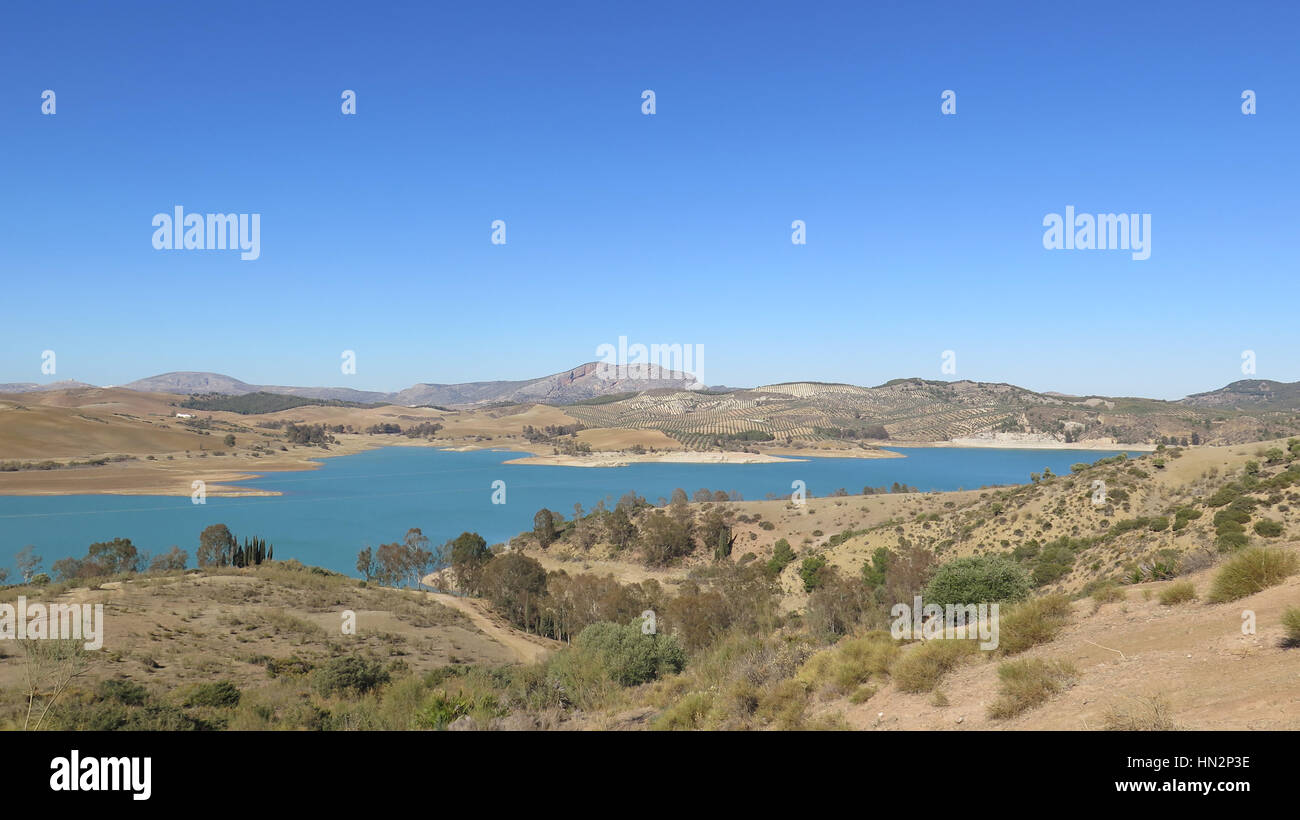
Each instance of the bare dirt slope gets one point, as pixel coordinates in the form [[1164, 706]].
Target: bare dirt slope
[[1194, 655]]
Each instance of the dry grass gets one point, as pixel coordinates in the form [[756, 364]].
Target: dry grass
[[1036, 621], [1180, 592], [921, 669], [1028, 683], [1291, 625], [1141, 713], [851, 663], [1252, 571]]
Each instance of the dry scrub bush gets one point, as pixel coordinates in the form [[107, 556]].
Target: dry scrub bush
[[920, 669], [1143, 713], [1028, 683], [1291, 624], [851, 663], [1251, 571], [1180, 592], [1036, 621]]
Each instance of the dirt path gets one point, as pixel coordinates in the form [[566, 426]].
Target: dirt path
[[528, 648]]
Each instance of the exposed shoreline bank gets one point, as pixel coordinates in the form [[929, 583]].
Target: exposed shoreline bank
[[1029, 444], [225, 480]]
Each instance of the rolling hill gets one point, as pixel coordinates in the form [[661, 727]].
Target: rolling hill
[[798, 414], [575, 384], [1250, 394]]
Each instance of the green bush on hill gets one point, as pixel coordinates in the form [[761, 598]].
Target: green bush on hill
[[977, 580], [781, 558], [628, 656]]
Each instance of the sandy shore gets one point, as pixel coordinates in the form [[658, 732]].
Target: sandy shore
[[769, 455], [624, 459], [828, 452], [1013, 443]]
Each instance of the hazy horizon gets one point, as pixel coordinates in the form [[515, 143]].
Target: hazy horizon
[[341, 383]]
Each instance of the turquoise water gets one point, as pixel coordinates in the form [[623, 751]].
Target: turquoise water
[[326, 515]]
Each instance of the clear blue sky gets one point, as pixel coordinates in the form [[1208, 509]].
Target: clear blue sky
[[924, 231]]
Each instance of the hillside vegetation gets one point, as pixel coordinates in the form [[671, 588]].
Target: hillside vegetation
[[917, 410], [260, 402]]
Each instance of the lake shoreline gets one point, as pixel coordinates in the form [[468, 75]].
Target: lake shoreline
[[166, 478], [1031, 444], [324, 515]]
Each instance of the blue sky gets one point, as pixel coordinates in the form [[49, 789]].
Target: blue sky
[[924, 231]]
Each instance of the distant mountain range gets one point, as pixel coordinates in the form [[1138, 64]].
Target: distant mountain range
[[576, 384], [583, 383], [28, 387], [900, 410]]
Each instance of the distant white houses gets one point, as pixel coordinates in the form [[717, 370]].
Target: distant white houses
[[184, 415]]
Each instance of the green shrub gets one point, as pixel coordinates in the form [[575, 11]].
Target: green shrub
[[782, 556], [1251, 571], [1184, 514], [1027, 551], [1127, 524], [687, 713], [110, 716], [977, 580], [1225, 496], [1268, 528], [628, 656], [292, 666], [125, 692], [1179, 592], [218, 694], [1225, 519], [812, 572], [442, 709], [1231, 541], [1028, 683], [350, 674]]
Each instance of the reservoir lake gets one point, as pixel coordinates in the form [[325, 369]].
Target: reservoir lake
[[326, 515]]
